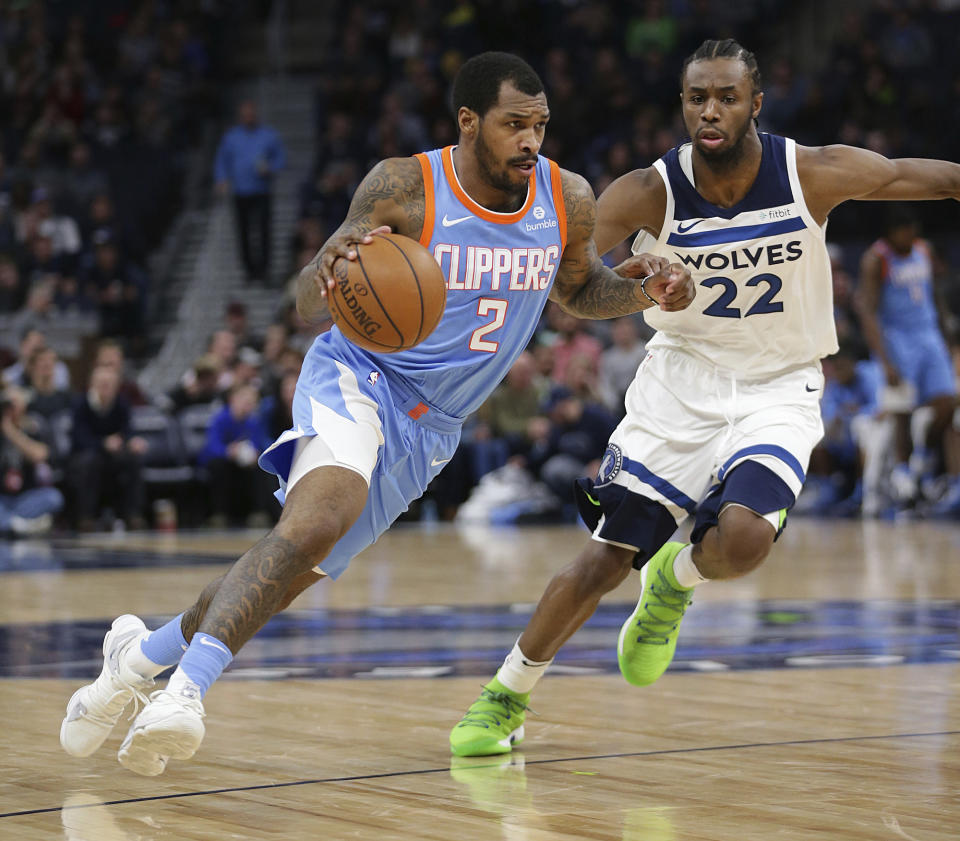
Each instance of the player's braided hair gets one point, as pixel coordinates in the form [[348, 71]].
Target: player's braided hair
[[477, 84], [727, 48]]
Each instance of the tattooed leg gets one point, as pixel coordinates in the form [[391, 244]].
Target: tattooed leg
[[318, 512]]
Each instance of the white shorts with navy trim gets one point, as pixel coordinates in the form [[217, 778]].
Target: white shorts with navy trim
[[689, 423]]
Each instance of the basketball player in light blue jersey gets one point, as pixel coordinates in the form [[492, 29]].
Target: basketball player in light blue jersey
[[902, 324], [724, 410], [510, 229]]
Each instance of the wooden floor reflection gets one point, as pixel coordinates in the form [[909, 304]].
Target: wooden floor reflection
[[860, 753]]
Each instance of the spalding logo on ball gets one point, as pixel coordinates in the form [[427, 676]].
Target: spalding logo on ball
[[391, 297]]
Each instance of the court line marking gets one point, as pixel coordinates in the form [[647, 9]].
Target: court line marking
[[388, 774]]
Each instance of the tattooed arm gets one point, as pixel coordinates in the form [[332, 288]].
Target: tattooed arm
[[390, 197], [588, 289]]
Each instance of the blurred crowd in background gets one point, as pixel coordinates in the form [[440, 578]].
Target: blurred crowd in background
[[101, 115]]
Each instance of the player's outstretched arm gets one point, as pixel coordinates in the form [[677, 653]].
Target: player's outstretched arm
[[635, 201], [390, 197], [831, 175], [588, 289]]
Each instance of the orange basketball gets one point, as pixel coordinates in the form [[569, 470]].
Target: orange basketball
[[391, 297]]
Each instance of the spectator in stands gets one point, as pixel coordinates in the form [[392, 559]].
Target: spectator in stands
[[844, 304], [246, 369], [62, 230], [198, 386], [237, 321], [31, 340], [110, 354], [506, 425], [120, 291], [40, 259], [619, 362], [13, 291], [277, 409], [571, 338], [82, 181], [222, 346], [240, 491], [101, 222], [39, 312], [28, 499], [274, 344], [574, 443], [853, 426], [47, 399], [248, 157], [106, 460]]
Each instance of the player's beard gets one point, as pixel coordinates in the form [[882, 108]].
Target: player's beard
[[724, 160], [498, 175]]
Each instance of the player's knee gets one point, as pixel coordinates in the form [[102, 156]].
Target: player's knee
[[744, 545], [601, 567], [311, 540]]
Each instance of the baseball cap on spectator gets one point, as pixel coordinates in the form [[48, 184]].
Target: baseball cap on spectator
[[555, 396]]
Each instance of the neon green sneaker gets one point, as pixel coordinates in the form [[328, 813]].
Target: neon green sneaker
[[649, 637], [493, 724]]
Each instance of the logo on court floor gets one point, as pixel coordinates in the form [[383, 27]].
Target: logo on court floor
[[372, 377], [609, 466]]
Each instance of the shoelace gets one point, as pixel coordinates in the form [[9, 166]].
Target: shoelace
[[481, 716], [140, 698], [655, 630]]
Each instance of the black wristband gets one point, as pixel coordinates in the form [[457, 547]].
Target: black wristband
[[647, 295]]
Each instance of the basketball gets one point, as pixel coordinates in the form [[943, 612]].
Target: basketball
[[391, 297]]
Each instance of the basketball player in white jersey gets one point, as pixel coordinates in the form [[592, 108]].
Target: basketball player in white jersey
[[724, 410]]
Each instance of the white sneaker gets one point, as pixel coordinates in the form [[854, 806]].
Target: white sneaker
[[95, 708], [30, 526], [169, 727]]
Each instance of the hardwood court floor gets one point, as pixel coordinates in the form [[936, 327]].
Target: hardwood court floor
[[855, 734]]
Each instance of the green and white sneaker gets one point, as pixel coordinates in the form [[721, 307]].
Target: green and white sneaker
[[649, 637], [493, 724]]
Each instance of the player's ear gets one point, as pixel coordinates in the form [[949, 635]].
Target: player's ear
[[467, 121], [757, 103]]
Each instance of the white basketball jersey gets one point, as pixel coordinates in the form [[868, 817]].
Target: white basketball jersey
[[764, 301]]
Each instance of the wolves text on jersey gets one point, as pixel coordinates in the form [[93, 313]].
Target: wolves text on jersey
[[496, 269], [744, 258]]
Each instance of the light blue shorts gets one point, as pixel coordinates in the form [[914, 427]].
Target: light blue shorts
[[339, 389], [922, 358]]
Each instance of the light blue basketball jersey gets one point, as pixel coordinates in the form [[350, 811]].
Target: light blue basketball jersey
[[499, 269], [906, 301]]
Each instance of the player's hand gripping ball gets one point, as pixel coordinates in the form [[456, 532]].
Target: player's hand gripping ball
[[391, 297]]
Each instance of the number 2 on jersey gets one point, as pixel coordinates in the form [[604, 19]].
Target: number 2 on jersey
[[720, 308], [485, 306]]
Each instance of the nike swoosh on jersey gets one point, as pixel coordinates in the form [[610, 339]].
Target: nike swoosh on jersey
[[438, 461], [681, 229], [448, 222], [811, 389]]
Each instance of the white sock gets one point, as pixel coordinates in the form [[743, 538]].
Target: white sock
[[685, 570], [519, 673]]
